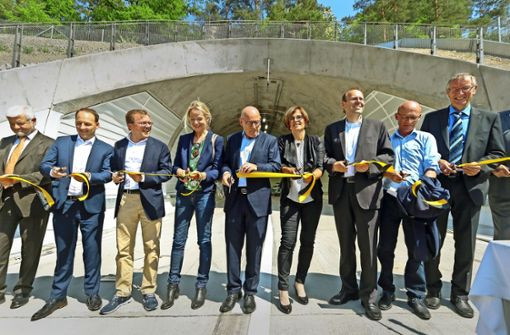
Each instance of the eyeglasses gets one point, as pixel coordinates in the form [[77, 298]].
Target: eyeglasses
[[146, 123], [464, 89], [296, 118], [252, 123]]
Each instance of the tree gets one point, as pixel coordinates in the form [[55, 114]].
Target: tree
[[486, 10]]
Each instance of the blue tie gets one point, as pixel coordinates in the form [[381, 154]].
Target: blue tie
[[456, 139]]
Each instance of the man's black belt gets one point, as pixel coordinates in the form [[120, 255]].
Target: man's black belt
[[137, 191], [243, 190], [73, 197]]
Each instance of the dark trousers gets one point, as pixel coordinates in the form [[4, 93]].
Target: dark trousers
[[202, 205], [465, 224], [241, 222], [414, 274], [291, 213], [65, 225], [499, 201], [351, 221], [32, 230]]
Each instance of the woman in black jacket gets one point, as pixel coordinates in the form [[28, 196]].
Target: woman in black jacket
[[299, 153]]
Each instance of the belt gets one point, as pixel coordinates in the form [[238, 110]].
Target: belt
[[350, 180], [73, 197], [137, 191], [243, 190]]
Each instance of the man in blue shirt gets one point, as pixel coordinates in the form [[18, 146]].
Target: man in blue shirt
[[415, 156]]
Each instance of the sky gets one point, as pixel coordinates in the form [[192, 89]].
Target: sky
[[340, 8]]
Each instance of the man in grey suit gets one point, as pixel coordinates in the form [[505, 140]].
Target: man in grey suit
[[355, 191], [20, 154], [499, 188], [463, 134]]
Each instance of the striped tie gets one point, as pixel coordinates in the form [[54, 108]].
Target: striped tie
[[456, 140]]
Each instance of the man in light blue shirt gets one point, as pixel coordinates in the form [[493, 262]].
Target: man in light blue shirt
[[415, 156]]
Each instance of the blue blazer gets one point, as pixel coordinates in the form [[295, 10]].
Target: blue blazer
[[156, 159], [266, 156], [98, 164], [206, 163]]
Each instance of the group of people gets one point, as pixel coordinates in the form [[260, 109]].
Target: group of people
[[75, 169]]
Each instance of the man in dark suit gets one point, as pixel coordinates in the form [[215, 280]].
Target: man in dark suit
[[139, 201], [85, 154], [247, 205], [463, 134], [20, 154], [355, 191], [499, 188]]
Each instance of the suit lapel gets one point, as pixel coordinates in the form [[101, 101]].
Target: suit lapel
[[341, 136], [90, 159], [474, 122], [237, 154], [145, 155], [207, 147], [70, 150], [363, 133], [122, 153], [7, 149], [30, 146], [443, 125]]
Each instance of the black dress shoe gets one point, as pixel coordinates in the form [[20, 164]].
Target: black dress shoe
[[386, 301], [199, 299], [229, 303], [249, 304], [433, 301], [51, 306], [19, 300], [284, 308], [462, 307], [94, 302], [371, 310], [419, 308], [301, 300], [343, 297], [2, 298], [172, 293]]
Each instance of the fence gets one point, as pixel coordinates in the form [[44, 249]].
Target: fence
[[22, 44]]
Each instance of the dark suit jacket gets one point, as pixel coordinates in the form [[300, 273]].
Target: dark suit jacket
[[484, 141], [373, 144], [98, 164], [156, 159], [206, 163], [499, 187], [27, 167], [267, 158], [313, 159]]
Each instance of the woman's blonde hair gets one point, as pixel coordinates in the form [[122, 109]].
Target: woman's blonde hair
[[200, 106]]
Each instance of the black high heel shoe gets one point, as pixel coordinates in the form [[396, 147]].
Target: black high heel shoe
[[301, 300]]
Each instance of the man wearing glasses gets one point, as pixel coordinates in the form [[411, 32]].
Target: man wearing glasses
[[247, 205], [463, 135], [415, 156], [140, 165]]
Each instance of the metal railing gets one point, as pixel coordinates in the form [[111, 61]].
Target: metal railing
[[22, 44]]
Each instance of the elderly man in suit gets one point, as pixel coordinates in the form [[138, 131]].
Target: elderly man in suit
[[20, 154], [463, 134], [247, 205], [499, 188], [141, 164], [355, 191], [89, 156]]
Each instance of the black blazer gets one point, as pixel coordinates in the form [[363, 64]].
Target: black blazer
[[484, 141], [156, 159], [500, 187], [313, 159], [373, 144], [267, 158]]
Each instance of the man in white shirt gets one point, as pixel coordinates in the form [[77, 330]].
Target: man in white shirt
[[77, 206], [20, 205]]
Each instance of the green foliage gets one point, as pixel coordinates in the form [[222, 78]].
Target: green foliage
[[27, 50]]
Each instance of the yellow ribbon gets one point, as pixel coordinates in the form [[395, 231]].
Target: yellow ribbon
[[485, 162], [434, 203], [303, 194], [83, 177], [45, 193], [382, 165]]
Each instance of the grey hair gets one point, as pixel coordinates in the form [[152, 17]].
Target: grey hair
[[461, 75], [20, 110]]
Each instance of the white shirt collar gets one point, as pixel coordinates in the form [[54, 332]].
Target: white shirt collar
[[80, 141], [136, 143]]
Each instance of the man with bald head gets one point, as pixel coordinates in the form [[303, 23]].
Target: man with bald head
[[415, 156], [20, 154], [247, 204]]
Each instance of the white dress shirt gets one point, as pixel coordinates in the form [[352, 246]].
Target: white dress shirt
[[81, 156], [29, 138], [351, 144], [133, 162]]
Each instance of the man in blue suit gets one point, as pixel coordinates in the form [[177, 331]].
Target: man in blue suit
[[247, 204], [90, 156], [139, 200], [499, 187]]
